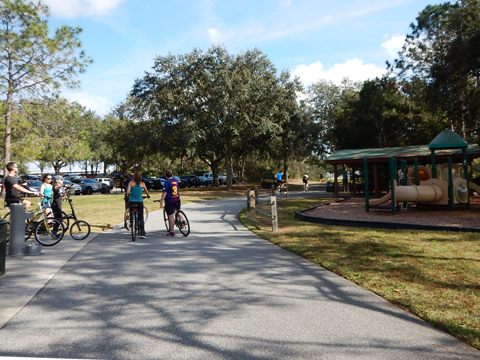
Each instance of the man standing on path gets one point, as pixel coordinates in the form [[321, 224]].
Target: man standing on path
[[171, 200], [13, 188]]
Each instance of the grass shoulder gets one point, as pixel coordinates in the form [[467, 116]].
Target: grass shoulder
[[433, 274]]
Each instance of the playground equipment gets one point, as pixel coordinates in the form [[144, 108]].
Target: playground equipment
[[434, 184], [429, 191]]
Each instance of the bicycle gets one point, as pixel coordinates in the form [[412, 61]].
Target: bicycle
[[47, 231], [283, 186], [180, 220], [126, 216], [134, 220], [306, 185], [80, 229]]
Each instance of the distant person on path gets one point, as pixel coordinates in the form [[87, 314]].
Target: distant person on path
[[13, 188], [305, 182], [171, 200], [136, 188], [279, 179]]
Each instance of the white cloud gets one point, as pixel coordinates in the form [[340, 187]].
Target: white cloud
[[393, 45], [99, 104], [77, 8], [214, 35], [352, 69]]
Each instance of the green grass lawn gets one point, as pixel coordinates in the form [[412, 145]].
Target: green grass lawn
[[104, 211], [433, 274]]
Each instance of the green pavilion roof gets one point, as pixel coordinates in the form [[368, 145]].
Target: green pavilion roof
[[418, 151], [448, 139]]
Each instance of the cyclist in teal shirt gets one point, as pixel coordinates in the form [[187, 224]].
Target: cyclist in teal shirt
[[136, 188], [46, 191]]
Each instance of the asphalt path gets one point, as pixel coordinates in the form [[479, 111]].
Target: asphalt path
[[220, 293]]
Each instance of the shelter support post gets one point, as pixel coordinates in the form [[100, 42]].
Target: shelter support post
[[365, 184], [392, 162]]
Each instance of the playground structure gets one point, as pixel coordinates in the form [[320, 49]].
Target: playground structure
[[444, 190], [445, 184]]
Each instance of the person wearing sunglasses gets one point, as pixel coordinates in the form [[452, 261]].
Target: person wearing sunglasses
[[46, 191]]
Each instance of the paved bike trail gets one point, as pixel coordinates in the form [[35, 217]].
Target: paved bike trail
[[220, 293]]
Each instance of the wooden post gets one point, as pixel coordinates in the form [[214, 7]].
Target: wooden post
[[366, 191], [273, 202], [251, 200]]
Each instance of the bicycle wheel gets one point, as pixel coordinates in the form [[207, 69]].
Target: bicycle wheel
[[165, 218], [126, 219], [80, 230], [133, 225], [65, 220], [49, 232], [182, 223]]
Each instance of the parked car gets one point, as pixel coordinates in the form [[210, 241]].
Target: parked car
[[208, 179], [153, 183], [89, 186], [33, 185], [104, 188], [106, 181], [27, 177], [203, 181], [189, 181], [73, 188]]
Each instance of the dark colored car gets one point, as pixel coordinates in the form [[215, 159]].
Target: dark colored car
[[33, 185], [154, 183], [28, 177], [190, 181]]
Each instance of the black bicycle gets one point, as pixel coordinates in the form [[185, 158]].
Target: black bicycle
[[80, 229], [180, 220], [134, 220]]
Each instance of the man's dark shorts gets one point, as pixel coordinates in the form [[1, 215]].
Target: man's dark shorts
[[170, 208]]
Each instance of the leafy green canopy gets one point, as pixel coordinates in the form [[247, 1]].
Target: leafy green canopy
[[32, 62]]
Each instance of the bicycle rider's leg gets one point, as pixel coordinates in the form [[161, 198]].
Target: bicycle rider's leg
[[170, 210], [140, 219]]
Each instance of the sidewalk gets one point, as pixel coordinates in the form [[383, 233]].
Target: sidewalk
[[220, 293]]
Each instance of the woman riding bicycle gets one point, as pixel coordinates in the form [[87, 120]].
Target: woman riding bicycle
[[171, 196], [136, 188]]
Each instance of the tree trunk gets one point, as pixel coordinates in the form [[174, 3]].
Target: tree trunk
[[229, 167], [285, 168], [7, 144]]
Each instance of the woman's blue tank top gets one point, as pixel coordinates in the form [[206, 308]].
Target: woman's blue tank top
[[136, 194]]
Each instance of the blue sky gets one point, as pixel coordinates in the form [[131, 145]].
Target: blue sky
[[314, 39]]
